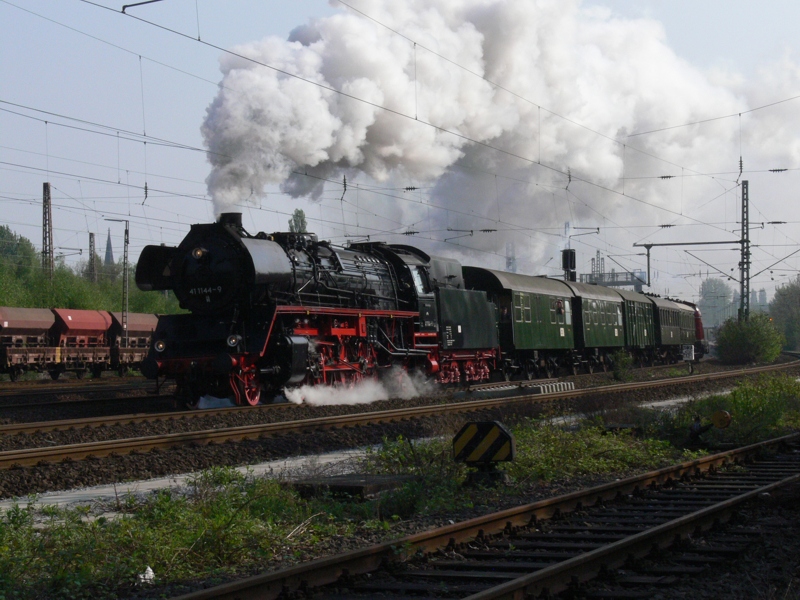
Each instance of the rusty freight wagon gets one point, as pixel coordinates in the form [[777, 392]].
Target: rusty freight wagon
[[25, 340]]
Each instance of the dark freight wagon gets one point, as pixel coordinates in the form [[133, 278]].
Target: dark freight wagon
[[24, 340], [80, 336], [58, 340], [130, 350]]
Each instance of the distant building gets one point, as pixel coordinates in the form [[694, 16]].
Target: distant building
[[109, 252]]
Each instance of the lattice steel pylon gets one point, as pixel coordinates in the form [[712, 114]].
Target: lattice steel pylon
[[125, 287], [92, 259], [744, 264], [48, 265]]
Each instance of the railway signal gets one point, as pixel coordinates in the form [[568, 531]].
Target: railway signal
[[483, 444]]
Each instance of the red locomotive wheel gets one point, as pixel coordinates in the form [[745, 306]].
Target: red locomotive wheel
[[248, 390]]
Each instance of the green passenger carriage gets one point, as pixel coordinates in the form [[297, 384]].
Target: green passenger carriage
[[535, 320], [640, 330], [599, 328], [674, 328]]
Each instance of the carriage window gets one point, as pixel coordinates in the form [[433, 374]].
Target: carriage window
[[594, 312], [518, 307], [568, 312], [602, 313], [553, 311], [526, 307], [619, 316]]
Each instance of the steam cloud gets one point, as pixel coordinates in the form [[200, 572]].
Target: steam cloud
[[398, 385], [616, 76]]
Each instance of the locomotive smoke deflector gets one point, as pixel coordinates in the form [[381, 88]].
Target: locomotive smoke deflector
[[153, 268]]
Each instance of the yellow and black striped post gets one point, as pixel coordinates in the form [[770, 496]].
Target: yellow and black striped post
[[482, 443]]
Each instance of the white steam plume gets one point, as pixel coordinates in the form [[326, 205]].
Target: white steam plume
[[616, 76], [399, 384]]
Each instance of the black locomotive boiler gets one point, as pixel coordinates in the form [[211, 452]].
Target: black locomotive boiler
[[285, 309]]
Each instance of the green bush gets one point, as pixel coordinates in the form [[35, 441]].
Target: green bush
[[621, 363], [753, 341], [760, 409]]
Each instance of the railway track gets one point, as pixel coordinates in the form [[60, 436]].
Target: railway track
[[67, 387], [33, 456], [551, 545], [108, 421]]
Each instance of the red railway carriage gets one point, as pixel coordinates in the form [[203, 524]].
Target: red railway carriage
[[24, 340]]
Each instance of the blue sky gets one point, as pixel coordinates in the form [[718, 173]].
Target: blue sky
[[78, 66]]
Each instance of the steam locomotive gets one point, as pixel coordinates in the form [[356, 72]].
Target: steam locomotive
[[286, 309]]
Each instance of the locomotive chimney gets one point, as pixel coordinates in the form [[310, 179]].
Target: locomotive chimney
[[231, 218]]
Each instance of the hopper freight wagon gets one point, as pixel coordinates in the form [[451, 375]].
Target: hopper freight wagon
[[128, 351], [63, 340]]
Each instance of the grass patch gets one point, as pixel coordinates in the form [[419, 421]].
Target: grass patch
[[227, 523], [761, 408], [547, 452]]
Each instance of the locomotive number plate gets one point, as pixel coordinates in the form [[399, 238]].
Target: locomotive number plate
[[205, 290]]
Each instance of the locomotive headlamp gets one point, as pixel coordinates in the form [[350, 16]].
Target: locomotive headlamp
[[233, 340], [199, 253], [160, 346]]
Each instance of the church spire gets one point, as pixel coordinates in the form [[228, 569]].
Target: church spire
[[109, 252]]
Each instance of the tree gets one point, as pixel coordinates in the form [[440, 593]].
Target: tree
[[23, 283], [753, 341], [785, 311], [18, 252], [84, 271], [715, 298], [297, 224]]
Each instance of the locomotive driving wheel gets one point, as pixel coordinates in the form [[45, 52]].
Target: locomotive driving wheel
[[248, 389]]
